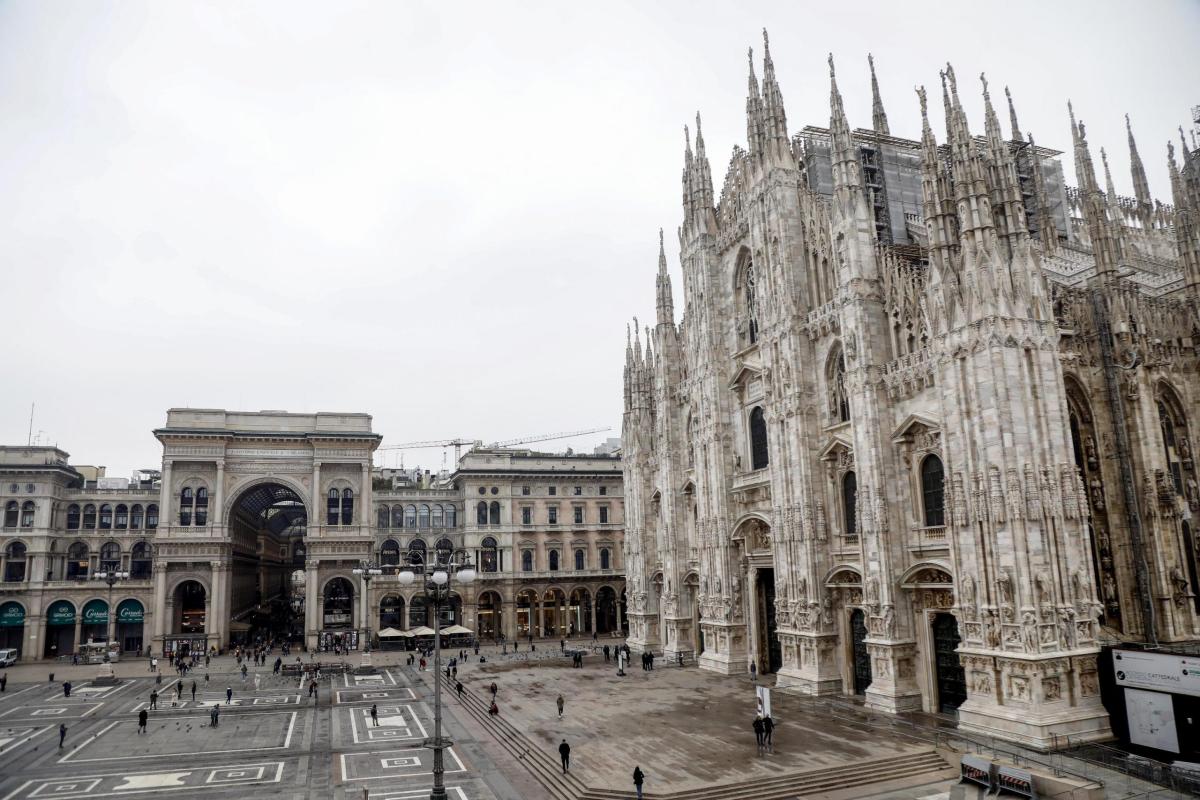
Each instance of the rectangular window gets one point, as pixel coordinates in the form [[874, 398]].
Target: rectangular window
[[526, 516], [524, 490], [552, 513], [553, 490], [578, 515], [603, 490], [578, 490], [603, 515]]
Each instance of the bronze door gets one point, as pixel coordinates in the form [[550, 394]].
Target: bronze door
[[862, 660], [951, 680]]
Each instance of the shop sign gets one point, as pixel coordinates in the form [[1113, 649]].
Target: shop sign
[[12, 615], [61, 613], [95, 613], [131, 612]]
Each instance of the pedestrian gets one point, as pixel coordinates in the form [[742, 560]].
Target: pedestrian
[[62, 734], [244, 670], [228, 695], [768, 729], [66, 688], [179, 690], [154, 699], [564, 750], [605, 654], [560, 703], [214, 715], [458, 688], [650, 661], [454, 672], [154, 665], [562, 645], [679, 657], [638, 777], [206, 659], [143, 716], [375, 714], [493, 710], [3, 682], [753, 672], [193, 691], [759, 732], [493, 688]]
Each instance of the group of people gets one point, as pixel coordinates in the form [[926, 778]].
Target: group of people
[[764, 727]]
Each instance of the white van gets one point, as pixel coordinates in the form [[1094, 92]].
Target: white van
[[8, 657]]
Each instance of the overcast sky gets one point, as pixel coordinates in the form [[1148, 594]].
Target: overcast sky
[[440, 214]]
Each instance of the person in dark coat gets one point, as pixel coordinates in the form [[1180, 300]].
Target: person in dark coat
[[564, 751], [143, 716], [768, 728], [67, 689], [638, 777], [375, 714], [759, 732], [214, 716], [62, 734]]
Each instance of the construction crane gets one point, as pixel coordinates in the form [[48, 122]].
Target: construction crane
[[458, 444]]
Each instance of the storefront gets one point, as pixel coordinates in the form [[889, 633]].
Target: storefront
[[12, 626], [131, 615], [60, 629], [185, 644], [95, 622], [340, 639]]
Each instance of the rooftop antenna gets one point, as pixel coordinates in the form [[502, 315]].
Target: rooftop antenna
[[29, 438]]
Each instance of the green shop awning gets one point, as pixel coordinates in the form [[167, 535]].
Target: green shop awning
[[60, 612], [11, 615], [95, 613], [130, 612]]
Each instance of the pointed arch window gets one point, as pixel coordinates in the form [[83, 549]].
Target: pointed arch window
[[494, 513], [839, 401], [933, 491], [481, 513], [28, 511], [333, 506], [187, 499], [73, 517], [347, 506], [749, 292], [1170, 446], [850, 503], [89, 516], [759, 457], [202, 506]]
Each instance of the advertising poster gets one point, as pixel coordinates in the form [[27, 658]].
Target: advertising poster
[[763, 699], [1160, 672], [1151, 719]]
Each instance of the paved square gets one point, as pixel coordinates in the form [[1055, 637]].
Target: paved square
[[243, 732]]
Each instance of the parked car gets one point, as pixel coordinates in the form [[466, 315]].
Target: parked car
[[8, 657]]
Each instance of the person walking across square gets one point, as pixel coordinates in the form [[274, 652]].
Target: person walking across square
[[62, 735], [638, 778], [561, 703], [564, 752], [375, 714], [143, 717]]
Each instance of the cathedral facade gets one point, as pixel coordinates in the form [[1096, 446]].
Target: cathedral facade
[[922, 432]]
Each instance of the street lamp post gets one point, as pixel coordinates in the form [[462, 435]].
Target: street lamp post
[[111, 578], [367, 570], [454, 566]]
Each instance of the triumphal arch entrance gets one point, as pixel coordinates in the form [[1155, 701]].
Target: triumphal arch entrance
[[263, 517]]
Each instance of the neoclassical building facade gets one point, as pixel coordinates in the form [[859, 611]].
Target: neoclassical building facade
[[923, 431], [258, 521]]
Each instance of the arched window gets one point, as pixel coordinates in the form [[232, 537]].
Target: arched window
[[383, 517], [849, 503], [333, 506], [28, 511], [933, 491], [749, 293], [89, 516], [105, 517], [494, 513], [14, 563], [554, 561], [122, 519], [839, 401], [135, 517], [437, 518], [397, 516], [481, 513], [73, 517], [140, 562], [11, 512], [488, 561], [389, 554], [580, 560], [759, 457], [410, 516], [186, 501], [202, 506], [443, 550], [152, 516], [1171, 449], [451, 517], [77, 561], [605, 559], [347, 506], [527, 560], [416, 555], [110, 557], [423, 516]]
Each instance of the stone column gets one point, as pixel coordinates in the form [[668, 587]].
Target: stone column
[[592, 601], [365, 501], [315, 511], [217, 515], [508, 619], [165, 500], [33, 647], [752, 611], [541, 617], [312, 621], [159, 610], [78, 629]]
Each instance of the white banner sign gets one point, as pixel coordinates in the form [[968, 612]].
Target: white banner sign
[[1158, 671], [1151, 720], [763, 694]]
